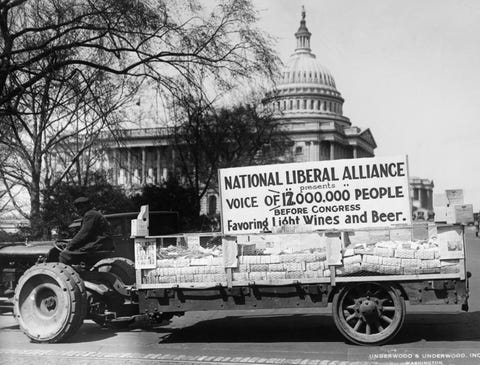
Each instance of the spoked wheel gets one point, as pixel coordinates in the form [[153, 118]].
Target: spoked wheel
[[369, 313], [50, 302]]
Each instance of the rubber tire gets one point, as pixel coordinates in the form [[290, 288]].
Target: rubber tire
[[374, 339], [122, 267], [54, 280]]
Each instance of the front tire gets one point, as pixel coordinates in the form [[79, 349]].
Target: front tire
[[369, 313], [50, 302]]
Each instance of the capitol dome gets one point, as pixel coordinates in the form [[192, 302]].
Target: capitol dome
[[304, 68], [306, 88], [306, 102]]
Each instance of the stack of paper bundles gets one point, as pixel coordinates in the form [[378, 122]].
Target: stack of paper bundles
[[384, 251], [370, 267], [258, 267], [294, 274], [391, 261], [242, 268], [350, 260], [277, 267], [240, 276], [295, 266], [450, 269], [405, 253], [350, 269], [425, 253], [182, 262], [411, 266], [166, 263], [377, 260], [257, 276], [390, 270], [315, 266], [204, 261], [250, 259], [287, 258], [276, 275], [313, 274], [428, 264]]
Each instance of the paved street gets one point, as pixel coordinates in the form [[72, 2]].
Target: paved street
[[431, 335]]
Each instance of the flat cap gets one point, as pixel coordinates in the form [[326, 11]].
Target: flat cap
[[81, 200]]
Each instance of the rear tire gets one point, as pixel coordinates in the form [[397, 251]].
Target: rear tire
[[369, 313], [123, 268], [50, 302]]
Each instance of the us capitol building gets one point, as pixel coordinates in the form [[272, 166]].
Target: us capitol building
[[305, 101]]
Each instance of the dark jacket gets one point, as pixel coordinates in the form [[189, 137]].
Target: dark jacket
[[94, 234]]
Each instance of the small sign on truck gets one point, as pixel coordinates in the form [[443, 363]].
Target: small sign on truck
[[305, 235]]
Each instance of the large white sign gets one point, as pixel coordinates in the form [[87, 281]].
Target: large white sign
[[300, 197]]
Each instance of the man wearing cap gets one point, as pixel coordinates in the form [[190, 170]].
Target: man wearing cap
[[93, 236]]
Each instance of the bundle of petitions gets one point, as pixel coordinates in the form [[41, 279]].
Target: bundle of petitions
[[282, 266], [177, 264], [206, 265], [396, 258]]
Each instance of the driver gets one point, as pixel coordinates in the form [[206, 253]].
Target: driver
[[93, 236]]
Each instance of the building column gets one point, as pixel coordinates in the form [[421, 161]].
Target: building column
[[115, 165], [314, 151], [355, 152], [159, 166], [306, 154], [332, 150], [129, 166], [144, 166]]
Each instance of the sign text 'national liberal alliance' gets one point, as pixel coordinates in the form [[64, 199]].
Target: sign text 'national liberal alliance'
[[309, 196]]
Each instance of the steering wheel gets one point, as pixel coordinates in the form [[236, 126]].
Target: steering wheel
[[60, 245]]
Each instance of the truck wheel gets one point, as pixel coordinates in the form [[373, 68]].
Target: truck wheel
[[124, 269], [120, 266], [50, 302], [368, 313]]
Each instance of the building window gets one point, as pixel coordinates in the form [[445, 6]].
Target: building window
[[304, 103], [298, 150]]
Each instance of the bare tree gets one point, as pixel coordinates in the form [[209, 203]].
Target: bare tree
[[158, 39], [68, 66], [55, 124], [206, 138]]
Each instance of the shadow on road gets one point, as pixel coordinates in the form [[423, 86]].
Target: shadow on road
[[319, 328], [91, 332], [440, 327]]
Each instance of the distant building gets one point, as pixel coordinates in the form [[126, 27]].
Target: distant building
[[421, 194], [305, 100]]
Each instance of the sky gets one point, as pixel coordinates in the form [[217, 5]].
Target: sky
[[409, 70]]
